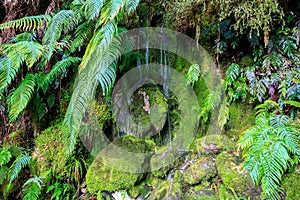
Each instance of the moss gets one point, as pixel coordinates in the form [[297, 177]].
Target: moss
[[202, 170], [200, 192], [140, 189], [241, 117], [50, 151], [232, 175], [167, 190], [111, 169], [163, 160], [16, 139], [246, 61], [213, 144], [290, 184], [3, 173]]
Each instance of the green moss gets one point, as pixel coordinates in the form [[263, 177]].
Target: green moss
[[140, 189], [213, 144], [111, 169], [241, 117], [50, 150], [16, 139], [3, 173], [290, 184], [200, 192], [232, 175], [163, 161], [202, 170], [167, 190]]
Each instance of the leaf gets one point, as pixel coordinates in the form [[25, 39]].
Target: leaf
[[21, 96], [21, 161]]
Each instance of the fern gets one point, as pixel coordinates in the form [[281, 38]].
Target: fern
[[292, 103], [111, 10], [26, 23], [21, 161], [32, 189], [131, 5], [5, 156], [267, 149], [92, 8], [20, 97], [62, 22], [57, 69], [82, 33], [193, 74], [16, 55]]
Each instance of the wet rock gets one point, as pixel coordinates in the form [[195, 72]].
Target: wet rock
[[167, 190], [202, 170], [163, 161], [213, 144]]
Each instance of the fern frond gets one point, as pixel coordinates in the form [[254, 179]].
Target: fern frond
[[21, 161], [32, 189], [92, 8], [26, 23], [5, 156], [131, 5], [193, 74], [82, 33], [20, 97], [232, 73], [57, 69], [62, 22], [16, 55], [111, 10], [292, 103]]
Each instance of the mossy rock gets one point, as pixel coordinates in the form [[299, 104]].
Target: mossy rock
[[291, 184], [241, 117], [139, 190], [50, 151], [200, 192], [202, 170], [232, 174], [111, 170], [163, 161], [213, 144], [167, 190], [15, 139]]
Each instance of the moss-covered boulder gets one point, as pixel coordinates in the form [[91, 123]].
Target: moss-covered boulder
[[50, 150], [200, 192], [163, 161], [232, 174], [291, 185], [202, 170], [119, 166], [213, 144], [168, 190], [241, 117]]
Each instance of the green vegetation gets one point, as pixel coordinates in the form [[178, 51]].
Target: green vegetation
[[59, 62]]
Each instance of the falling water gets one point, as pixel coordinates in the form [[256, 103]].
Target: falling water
[[138, 61]]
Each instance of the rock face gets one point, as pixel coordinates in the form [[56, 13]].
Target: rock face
[[163, 161], [202, 170], [232, 175], [110, 172], [213, 144]]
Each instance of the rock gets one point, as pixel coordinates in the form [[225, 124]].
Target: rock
[[213, 144], [232, 174], [163, 161], [202, 170], [290, 184], [50, 151], [167, 190], [200, 192], [119, 166]]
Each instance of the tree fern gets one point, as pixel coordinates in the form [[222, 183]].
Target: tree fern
[[26, 23], [267, 149], [21, 161], [32, 189], [21, 96]]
